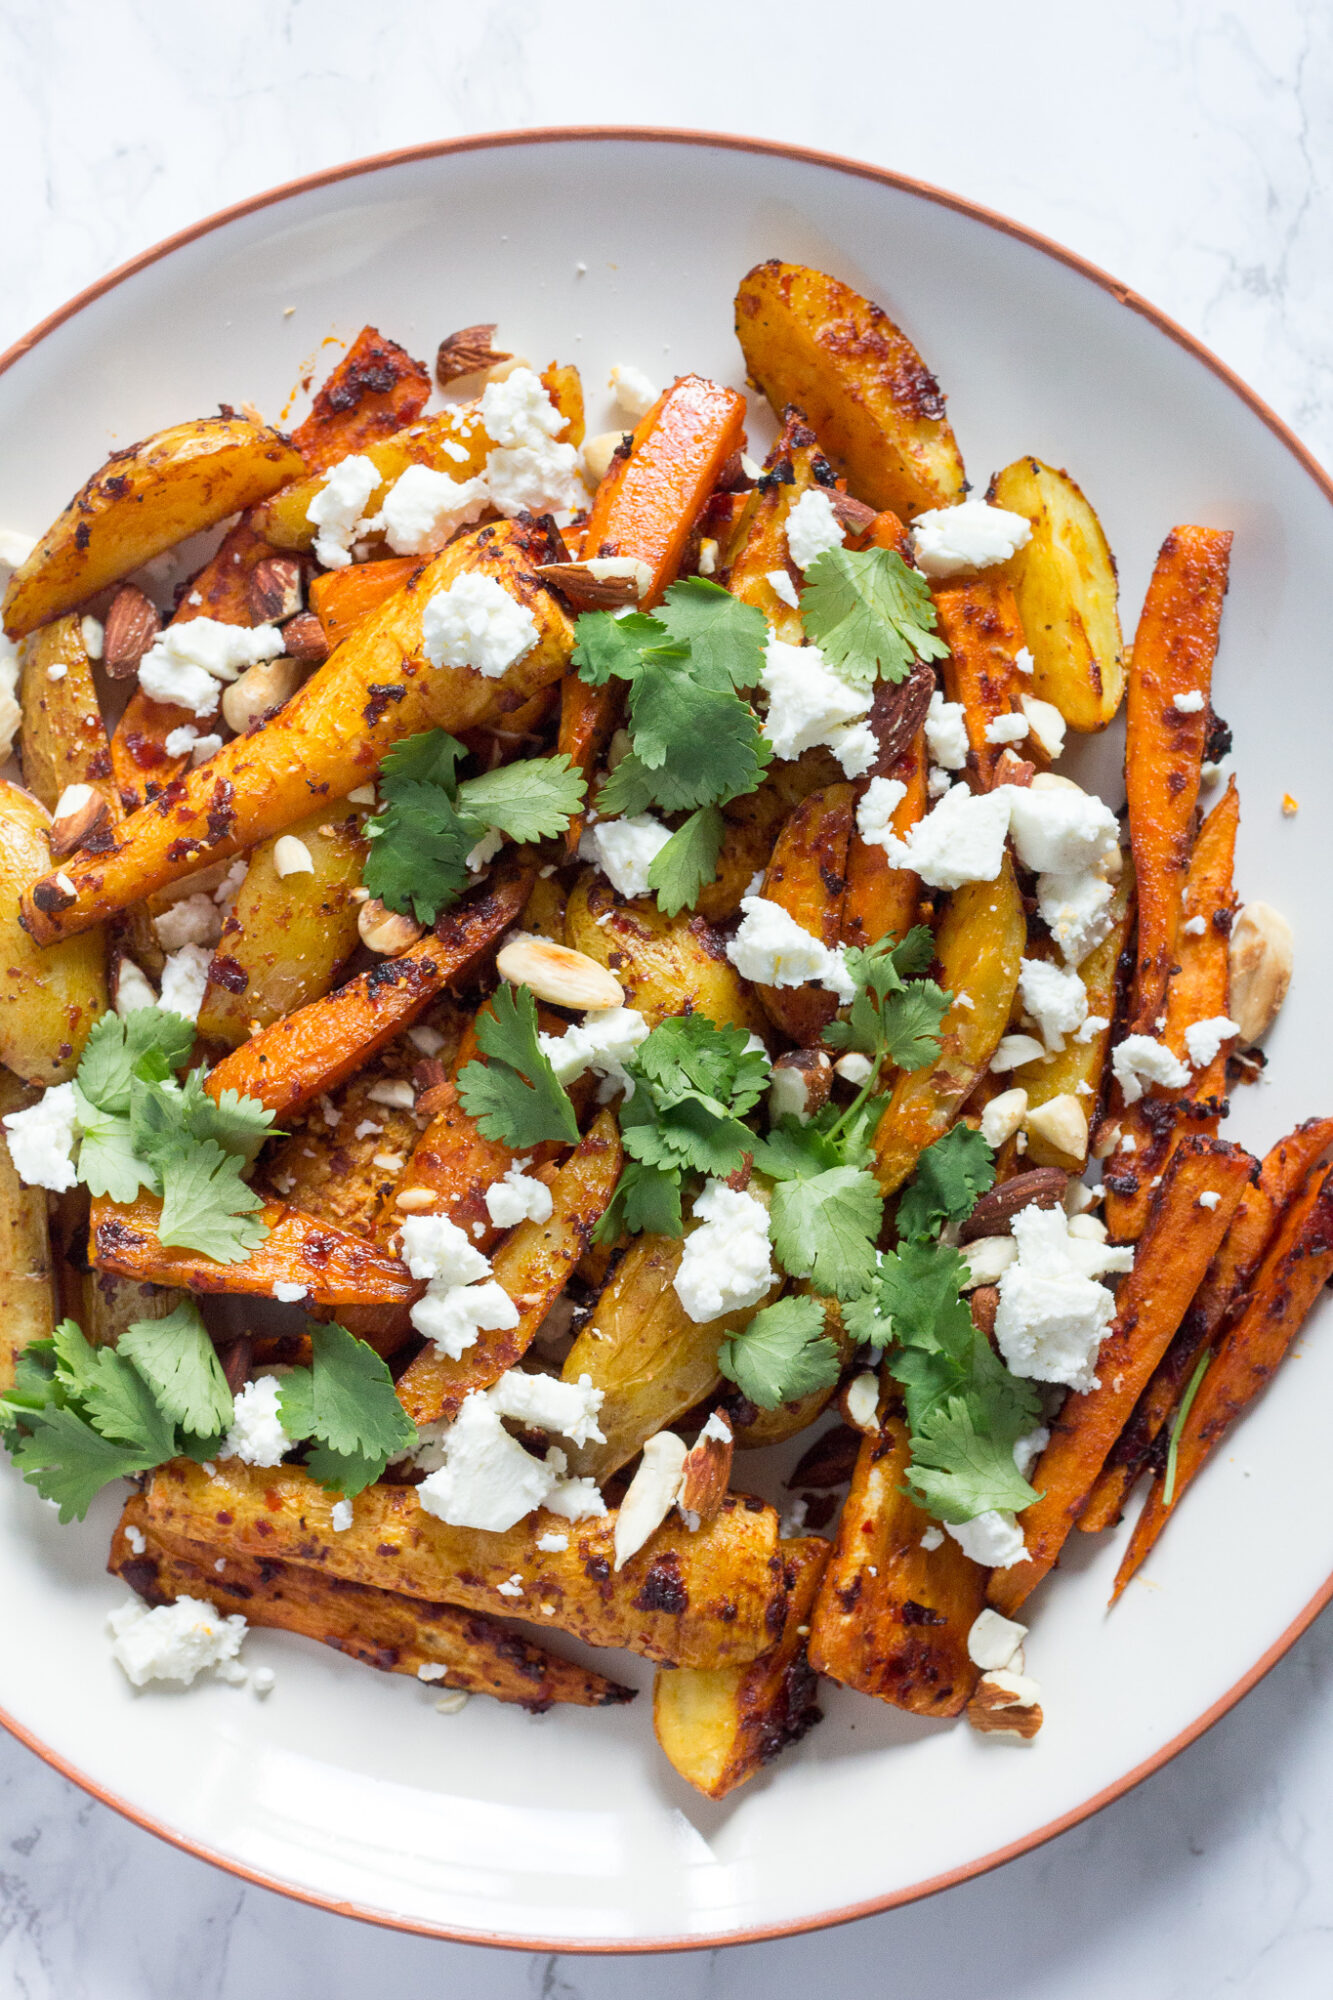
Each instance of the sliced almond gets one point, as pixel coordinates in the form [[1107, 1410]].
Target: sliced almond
[[275, 590], [853, 514], [554, 973], [1260, 954], [599, 451], [651, 1494], [1005, 1704], [1061, 1124], [859, 1402], [799, 1085], [985, 1304], [80, 811], [305, 639], [467, 352], [384, 930], [706, 1474], [898, 713], [129, 629], [414, 1200]]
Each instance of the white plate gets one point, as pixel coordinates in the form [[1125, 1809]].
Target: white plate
[[345, 1786]]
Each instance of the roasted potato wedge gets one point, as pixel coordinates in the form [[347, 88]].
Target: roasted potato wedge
[[876, 408], [63, 740], [666, 965], [1065, 583], [145, 499], [49, 999], [27, 1279], [373, 391]]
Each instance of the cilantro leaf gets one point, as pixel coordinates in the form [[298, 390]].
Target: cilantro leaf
[[108, 1164], [870, 614], [609, 648], [119, 1403], [206, 1206], [241, 1125], [419, 849], [347, 1403], [531, 800], [950, 1177], [783, 1354], [515, 1096], [725, 637], [179, 1362], [895, 1015], [70, 1462], [431, 757], [824, 1229], [149, 1043], [646, 1198], [678, 871], [687, 1054], [960, 1469]]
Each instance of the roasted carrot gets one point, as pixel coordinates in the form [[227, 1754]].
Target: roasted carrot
[[321, 1045], [342, 598], [335, 1268], [807, 877], [1172, 660], [329, 738], [1178, 1245], [374, 390], [645, 507], [881, 901], [1198, 990], [979, 623], [758, 550], [1296, 1266]]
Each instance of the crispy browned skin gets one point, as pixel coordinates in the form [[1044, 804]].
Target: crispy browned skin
[[758, 543], [645, 507], [63, 740], [342, 599], [811, 340], [892, 1618], [335, 1267], [720, 1728], [979, 623], [807, 877], [1199, 989], [381, 1628], [49, 1000], [533, 1265], [1296, 1266], [1173, 655], [666, 965], [710, 1599], [322, 1044], [1216, 1303], [328, 739], [1174, 1252], [374, 390]]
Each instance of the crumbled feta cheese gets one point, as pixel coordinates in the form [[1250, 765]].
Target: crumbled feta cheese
[[992, 1640], [783, 588], [487, 1480], [41, 1140], [291, 856], [874, 813], [184, 978], [938, 782], [771, 948], [423, 510], [632, 390], [187, 662], [452, 1316], [136, 1539], [203, 748], [1024, 661], [962, 840], [1195, 927], [855, 745], [512, 1587], [604, 1040], [229, 888], [1003, 1116], [572, 1499], [341, 1517], [971, 535], [518, 411], [992, 1539], [192, 920], [1051, 1318], [1189, 704], [437, 1250], [550, 1405], [518, 1198], [707, 557], [476, 623], [624, 850], [552, 1544], [1203, 1039], [1076, 910], [481, 856], [807, 700], [813, 527], [1057, 1000], [650, 1496], [336, 510], [1029, 1448], [1209, 1198], [395, 1091], [1059, 829], [1096, 1024], [262, 1681], [726, 1264], [173, 1642], [1010, 728], [1015, 1050], [180, 742], [432, 1670], [932, 1539], [288, 1294], [256, 1436], [946, 732], [1045, 722], [854, 1068], [1139, 1060], [535, 479]]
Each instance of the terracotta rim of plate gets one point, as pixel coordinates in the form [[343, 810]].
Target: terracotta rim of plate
[[1123, 295]]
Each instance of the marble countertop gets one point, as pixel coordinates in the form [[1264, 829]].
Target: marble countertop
[[1188, 150]]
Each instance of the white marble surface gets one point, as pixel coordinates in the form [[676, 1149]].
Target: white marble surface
[[1189, 150]]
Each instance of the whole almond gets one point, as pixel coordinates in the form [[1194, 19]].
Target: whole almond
[[80, 812], [600, 585], [997, 1209], [383, 930], [467, 351], [555, 973], [275, 590], [898, 714], [130, 627], [304, 639], [853, 514], [706, 1473]]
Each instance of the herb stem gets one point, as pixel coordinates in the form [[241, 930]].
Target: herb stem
[[1186, 1404]]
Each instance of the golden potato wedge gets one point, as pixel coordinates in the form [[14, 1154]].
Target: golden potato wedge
[[709, 1599], [63, 740], [980, 946], [48, 999], [667, 965], [327, 740], [809, 339], [1065, 583], [720, 1727], [27, 1279], [146, 498], [288, 936], [381, 1628], [752, 826]]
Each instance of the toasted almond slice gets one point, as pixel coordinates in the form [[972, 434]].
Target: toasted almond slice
[[651, 1494], [555, 973], [383, 930], [275, 590], [1006, 1704], [80, 812], [1260, 969], [706, 1473]]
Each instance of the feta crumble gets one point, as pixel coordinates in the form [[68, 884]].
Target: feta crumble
[[813, 528], [184, 979], [782, 588], [946, 733], [971, 535], [173, 1642], [807, 700], [424, 509], [1056, 999], [1195, 927], [632, 390], [874, 813], [1203, 1039], [1209, 1198], [726, 1264], [570, 1408], [487, 1479], [186, 663], [1051, 1317], [192, 919], [518, 1198], [336, 510], [476, 623], [1010, 728], [993, 1539], [256, 1436], [624, 850], [603, 1041], [771, 948], [1189, 704], [1140, 1060], [962, 840], [41, 1140], [287, 1294]]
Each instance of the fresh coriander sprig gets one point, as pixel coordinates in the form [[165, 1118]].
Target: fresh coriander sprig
[[345, 1402], [826, 1209], [515, 1095], [870, 614], [782, 1354], [430, 821]]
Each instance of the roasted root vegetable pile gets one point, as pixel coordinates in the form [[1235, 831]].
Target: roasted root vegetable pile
[[550, 962]]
